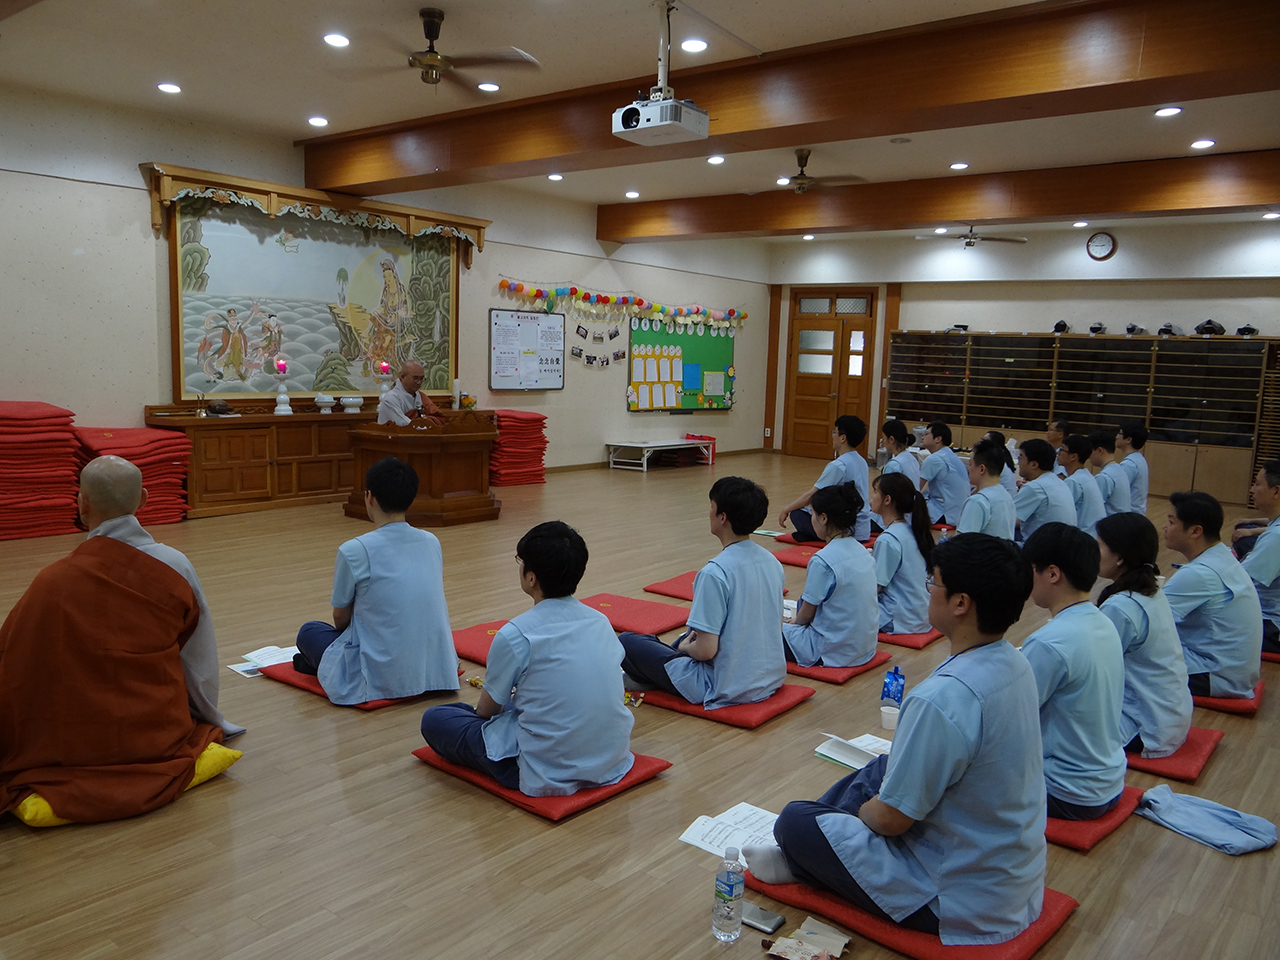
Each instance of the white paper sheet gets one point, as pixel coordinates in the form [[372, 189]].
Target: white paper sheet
[[637, 369], [740, 826], [265, 656], [664, 369], [713, 384], [651, 369], [854, 754], [677, 370], [643, 392], [671, 394]]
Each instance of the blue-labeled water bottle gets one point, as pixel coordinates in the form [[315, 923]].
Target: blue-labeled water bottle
[[726, 913], [895, 685]]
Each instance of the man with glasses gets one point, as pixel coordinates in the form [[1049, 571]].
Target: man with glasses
[[405, 402]]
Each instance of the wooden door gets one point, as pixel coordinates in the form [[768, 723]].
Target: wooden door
[[829, 359]]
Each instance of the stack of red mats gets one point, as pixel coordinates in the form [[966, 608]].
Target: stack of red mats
[[163, 457], [518, 452], [38, 470]]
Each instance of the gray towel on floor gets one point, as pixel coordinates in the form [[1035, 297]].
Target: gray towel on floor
[[1207, 822]]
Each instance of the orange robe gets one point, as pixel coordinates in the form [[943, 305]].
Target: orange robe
[[93, 701]]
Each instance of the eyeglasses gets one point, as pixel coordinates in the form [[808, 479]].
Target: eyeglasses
[[928, 582]]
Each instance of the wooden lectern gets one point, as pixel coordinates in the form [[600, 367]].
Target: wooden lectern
[[452, 462]]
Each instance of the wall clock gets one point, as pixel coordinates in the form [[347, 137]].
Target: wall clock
[[1101, 246]]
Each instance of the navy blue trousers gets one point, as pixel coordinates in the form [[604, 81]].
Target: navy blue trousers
[[454, 730]]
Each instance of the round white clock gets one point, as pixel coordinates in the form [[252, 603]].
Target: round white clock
[[1101, 246]]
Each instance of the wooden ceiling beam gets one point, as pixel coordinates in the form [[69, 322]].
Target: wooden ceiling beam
[[1182, 186], [1030, 62]]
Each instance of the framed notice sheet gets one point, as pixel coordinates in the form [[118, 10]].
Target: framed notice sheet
[[526, 350]]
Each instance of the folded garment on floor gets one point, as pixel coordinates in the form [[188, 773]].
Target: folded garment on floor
[[839, 674], [916, 641], [1207, 822], [911, 943], [749, 715], [1187, 762], [553, 808], [1083, 834], [638, 616]]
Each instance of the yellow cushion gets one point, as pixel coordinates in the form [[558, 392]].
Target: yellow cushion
[[35, 811]]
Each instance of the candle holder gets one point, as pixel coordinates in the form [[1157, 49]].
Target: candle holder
[[384, 380], [282, 396]]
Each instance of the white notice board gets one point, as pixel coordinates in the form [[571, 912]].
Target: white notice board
[[526, 350]]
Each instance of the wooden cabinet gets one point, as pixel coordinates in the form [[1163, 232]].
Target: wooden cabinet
[[260, 461]]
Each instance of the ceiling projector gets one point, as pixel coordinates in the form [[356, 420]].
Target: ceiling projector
[[649, 122]]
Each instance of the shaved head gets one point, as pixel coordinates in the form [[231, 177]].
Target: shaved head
[[411, 376], [110, 487]]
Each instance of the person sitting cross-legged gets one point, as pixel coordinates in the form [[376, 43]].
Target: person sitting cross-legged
[[1073, 457], [847, 467], [1044, 498], [989, 508], [550, 720], [1112, 480], [946, 834], [1263, 562], [730, 652]]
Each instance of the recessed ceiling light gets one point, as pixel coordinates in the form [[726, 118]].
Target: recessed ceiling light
[[693, 45], [959, 166], [1203, 144], [336, 40], [489, 87], [1168, 111], [1081, 223], [939, 229], [715, 161], [555, 176], [318, 122], [783, 181], [807, 236], [1271, 216], [899, 139], [168, 88], [633, 194]]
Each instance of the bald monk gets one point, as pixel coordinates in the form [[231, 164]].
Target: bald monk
[[405, 402], [108, 667]]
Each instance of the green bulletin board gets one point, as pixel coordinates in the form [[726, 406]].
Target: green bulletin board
[[680, 366]]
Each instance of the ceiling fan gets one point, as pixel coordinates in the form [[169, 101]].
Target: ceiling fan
[[970, 239], [802, 182], [436, 66]]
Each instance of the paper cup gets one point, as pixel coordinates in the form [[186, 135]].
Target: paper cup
[[889, 718]]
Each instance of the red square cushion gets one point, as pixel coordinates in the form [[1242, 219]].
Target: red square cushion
[[473, 643], [838, 674], [1233, 704], [749, 715], [285, 673], [1083, 834], [911, 943], [680, 587], [638, 616], [916, 641], [1187, 762], [1273, 657], [798, 556], [553, 808]]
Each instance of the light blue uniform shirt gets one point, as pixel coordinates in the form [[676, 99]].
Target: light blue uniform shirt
[[900, 573], [738, 597], [1219, 619], [564, 721], [965, 765], [907, 464], [948, 480], [989, 510], [1113, 485], [398, 643], [850, 468], [841, 583], [1135, 468], [1079, 670], [1157, 703], [1009, 480], [1263, 566], [1045, 499], [1088, 500]]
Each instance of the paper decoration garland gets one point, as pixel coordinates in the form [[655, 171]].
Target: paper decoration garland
[[583, 303]]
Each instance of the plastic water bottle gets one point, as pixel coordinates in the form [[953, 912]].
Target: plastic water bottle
[[726, 914]]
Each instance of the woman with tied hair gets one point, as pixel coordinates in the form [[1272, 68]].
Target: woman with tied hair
[[897, 440], [1156, 713], [1009, 475], [836, 622], [901, 554]]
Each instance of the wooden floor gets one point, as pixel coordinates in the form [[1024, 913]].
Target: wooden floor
[[329, 840]]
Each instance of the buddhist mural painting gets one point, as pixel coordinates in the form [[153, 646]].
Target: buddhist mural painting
[[329, 299]]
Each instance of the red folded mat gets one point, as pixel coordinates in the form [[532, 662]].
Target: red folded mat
[[553, 808], [1238, 705], [797, 556], [30, 410], [916, 641], [473, 643], [749, 715], [838, 674], [285, 673], [638, 616], [1083, 834], [1185, 763], [1271, 657], [911, 943]]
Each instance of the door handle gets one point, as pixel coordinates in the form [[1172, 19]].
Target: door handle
[[833, 394]]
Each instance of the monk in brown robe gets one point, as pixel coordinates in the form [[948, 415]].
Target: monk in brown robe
[[94, 708]]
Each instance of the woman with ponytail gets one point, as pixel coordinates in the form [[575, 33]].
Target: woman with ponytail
[[1009, 475], [835, 624], [1156, 713], [901, 554], [898, 442]]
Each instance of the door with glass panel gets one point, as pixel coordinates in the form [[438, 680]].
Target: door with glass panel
[[828, 366]]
